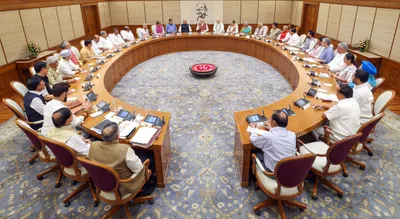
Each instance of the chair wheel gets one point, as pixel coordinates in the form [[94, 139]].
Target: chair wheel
[[301, 209], [151, 202], [370, 154], [314, 197], [256, 188], [96, 204], [340, 195], [57, 185], [361, 168], [40, 177], [67, 204], [73, 182], [31, 162], [345, 174], [33, 150], [258, 212]]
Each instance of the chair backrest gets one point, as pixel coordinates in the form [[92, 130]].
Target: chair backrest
[[65, 155], [379, 82], [383, 101], [32, 70], [302, 39], [153, 29], [367, 127], [30, 133], [291, 171], [104, 177], [138, 32], [76, 52], [19, 87], [83, 43], [15, 108], [338, 152]]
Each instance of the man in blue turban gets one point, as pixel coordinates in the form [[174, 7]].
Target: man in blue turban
[[371, 69]]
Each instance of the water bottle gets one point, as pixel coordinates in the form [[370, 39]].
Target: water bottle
[[115, 108]]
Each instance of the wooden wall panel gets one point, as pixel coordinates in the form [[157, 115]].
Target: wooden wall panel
[[231, 11], [283, 11], [107, 13], [363, 26], [65, 20], [3, 60], [347, 23], [77, 21], [335, 12], [102, 15], [323, 18], [294, 13], [266, 11], [395, 54], [249, 12], [383, 31], [33, 26], [299, 12], [172, 10], [51, 26], [153, 12], [136, 15], [12, 35], [119, 13]]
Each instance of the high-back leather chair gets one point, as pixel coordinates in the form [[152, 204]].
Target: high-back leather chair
[[286, 183], [66, 156], [329, 160], [108, 182]]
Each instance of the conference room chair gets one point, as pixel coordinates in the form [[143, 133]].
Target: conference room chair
[[153, 29], [32, 71], [108, 182], [138, 32], [302, 39], [285, 184], [82, 43], [19, 88], [379, 82], [18, 111], [70, 169], [329, 160], [41, 150]]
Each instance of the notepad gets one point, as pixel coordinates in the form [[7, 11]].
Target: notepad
[[258, 131], [331, 97], [71, 98], [322, 90], [323, 75], [144, 135], [328, 85]]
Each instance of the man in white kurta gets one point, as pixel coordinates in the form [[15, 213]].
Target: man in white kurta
[[127, 34], [261, 31], [363, 95], [116, 38], [218, 27], [338, 62], [294, 38], [105, 42], [66, 67]]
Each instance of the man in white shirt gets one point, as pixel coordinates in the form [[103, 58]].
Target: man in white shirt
[[116, 38], [363, 95], [278, 143], [60, 92], [34, 102], [261, 31], [310, 42], [338, 62], [294, 38], [127, 34], [218, 27], [105, 42], [344, 117], [65, 133], [284, 36], [95, 45], [144, 32], [66, 67], [232, 28]]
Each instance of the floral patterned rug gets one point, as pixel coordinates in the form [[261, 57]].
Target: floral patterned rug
[[202, 178]]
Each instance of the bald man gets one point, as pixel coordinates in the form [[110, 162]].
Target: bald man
[[218, 27], [144, 32], [95, 45], [278, 143]]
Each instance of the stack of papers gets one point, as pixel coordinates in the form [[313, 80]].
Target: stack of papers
[[144, 135], [331, 97], [258, 131], [323, 75], [291, 48], [310, 60]]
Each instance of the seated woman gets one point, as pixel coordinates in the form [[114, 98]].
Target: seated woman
[[202, 27], [159, 28], [371, 69], [346, 73], [232, 28], [246, 29]]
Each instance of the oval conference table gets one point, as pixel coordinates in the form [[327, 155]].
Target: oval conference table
[[293, 71]]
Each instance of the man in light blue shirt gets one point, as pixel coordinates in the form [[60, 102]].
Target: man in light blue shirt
[[170, 27], [277, 144], [327, 54]]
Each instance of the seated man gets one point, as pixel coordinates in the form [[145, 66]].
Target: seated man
[[310, 42], [218, 27], [41, 72], [284, 36], [65, 45], [66, 67], [144, 32], [116, 38], [261, 31], [60, 91], [327, 54], [246, 29], [96, 45], [34, 102], [53, 74], [105, 42], [294, 38], [274, 32], [87, 52], [185, 27], [371, 69], [170, 27], [344, 117], [363, 95], [232, 28], [127, 34], [337, 63], [317, 51], [159, 29], [120, 157], [278, 143], [63, 132], [202, 26]]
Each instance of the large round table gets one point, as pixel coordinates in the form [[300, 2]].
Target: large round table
[[293, 71]]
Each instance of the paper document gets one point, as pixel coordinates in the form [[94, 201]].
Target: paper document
[[322, 90], [71, 99], [323, 75], [144, 135], [292, 48], [310, 60], [258, 132], [328, 85], [331, 97]]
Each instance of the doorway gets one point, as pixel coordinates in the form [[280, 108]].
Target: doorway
[[91, 19], [310, 17]]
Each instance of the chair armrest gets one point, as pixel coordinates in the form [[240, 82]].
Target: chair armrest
[[147, 173], [258, 163], [126, 180], [308, 149], [35, 123]]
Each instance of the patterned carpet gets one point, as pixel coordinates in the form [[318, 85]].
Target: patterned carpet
[[202, 178]]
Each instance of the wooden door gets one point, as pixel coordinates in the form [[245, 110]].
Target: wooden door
[[91, 20], [310, 17]]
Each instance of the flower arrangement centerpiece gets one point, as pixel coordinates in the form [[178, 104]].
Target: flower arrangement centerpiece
[[363, 45], [33, 49]]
